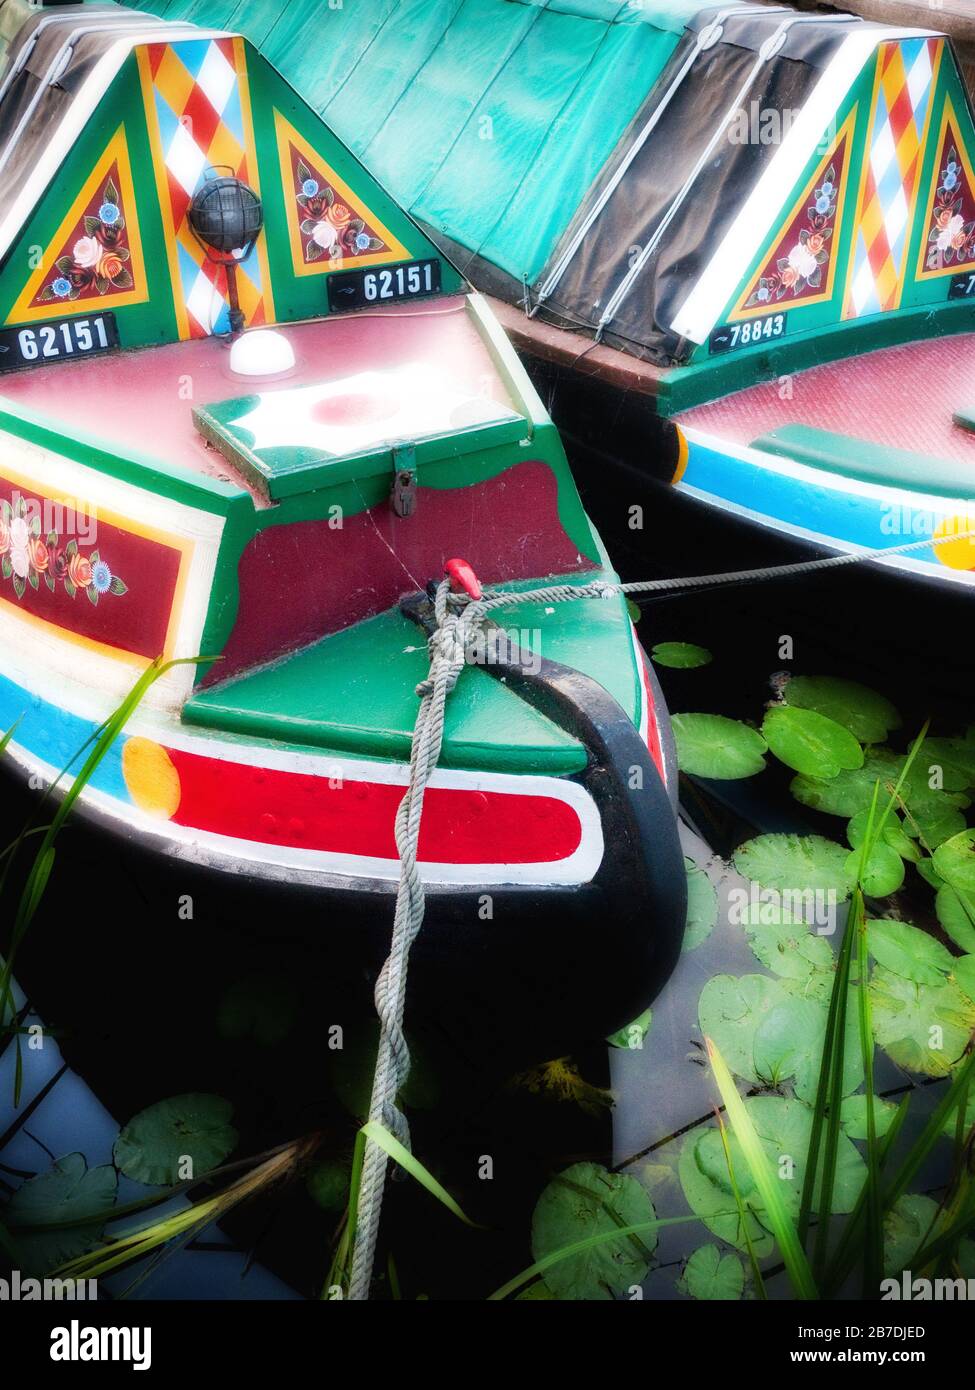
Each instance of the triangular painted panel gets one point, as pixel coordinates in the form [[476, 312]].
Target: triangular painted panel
[[801, 266], [949, 242], [95, 256], [329, 226], [197, 106]]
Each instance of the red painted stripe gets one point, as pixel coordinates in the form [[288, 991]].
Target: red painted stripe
[[302, 811], [653, 723]]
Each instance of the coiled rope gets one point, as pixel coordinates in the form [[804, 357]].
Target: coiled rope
[[459, 618]]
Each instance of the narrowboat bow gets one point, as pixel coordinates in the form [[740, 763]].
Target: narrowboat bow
[[171, 485]]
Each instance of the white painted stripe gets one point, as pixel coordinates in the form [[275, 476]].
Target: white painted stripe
[[235, 855], [765, 205]]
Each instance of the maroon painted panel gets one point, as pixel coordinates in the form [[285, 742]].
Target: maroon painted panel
[[299, 583], [80, 572]]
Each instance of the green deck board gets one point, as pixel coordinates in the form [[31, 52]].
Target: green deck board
[[355, 692]]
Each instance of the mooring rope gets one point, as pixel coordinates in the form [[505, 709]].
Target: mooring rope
[[458, 619]]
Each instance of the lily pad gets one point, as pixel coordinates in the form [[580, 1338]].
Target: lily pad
[[853, 1116], [68, 1191], [851, 790], [955, 862], [958, 922], [709, 1274], [937, 817], [905, 1228], [634, 1034], [796, 864], [951, 1123], [587, 1200], [785, 945], [784, 1127], [154, 1145], [963, 970], [868, 715], [709, 745], [881, 874], [893, 834], [909, 952], [809, 742], [923, 1029], [730, 1010], [682, 656], [716, 1207], [947, 757], [702, 906], [811, 1056], [929, 873], [328, 1184], [785, 1040]]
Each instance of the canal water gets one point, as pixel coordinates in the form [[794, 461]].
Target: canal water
[[241, 998]]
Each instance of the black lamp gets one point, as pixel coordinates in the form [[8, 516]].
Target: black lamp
[[226, 217]]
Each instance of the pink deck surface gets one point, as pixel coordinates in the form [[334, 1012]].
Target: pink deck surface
[[900, 397], [141, 402]]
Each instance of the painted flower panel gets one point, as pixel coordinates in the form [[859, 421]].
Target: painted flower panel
[[798, 265], [28, 558], [951, 231], [330, 229], [95, 258]]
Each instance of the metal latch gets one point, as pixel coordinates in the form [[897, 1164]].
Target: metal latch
[[403, 492]]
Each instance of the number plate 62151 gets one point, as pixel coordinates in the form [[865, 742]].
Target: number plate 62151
[[362, 289], [57, 341]]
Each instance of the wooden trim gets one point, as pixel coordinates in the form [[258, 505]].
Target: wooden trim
[[576, 351]]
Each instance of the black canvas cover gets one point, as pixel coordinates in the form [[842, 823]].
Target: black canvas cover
[[730, 75]]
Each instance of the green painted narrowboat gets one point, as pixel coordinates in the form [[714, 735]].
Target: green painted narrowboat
[[247, 408]]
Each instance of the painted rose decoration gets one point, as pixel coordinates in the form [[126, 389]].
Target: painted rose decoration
[[27, 558], [328, 228], [802, 267], [98, 259], [951, 239]]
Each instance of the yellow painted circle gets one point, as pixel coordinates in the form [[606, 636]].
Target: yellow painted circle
[[150, 776], [681, 455], [951, 545]]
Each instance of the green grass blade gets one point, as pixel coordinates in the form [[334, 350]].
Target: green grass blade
[[777, 1217], [873, 1264], [580, 1247], [380, 1135], [840, 1263], [841, 986], [760, 1288], [40, 870]]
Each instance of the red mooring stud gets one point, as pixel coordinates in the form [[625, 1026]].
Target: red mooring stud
[[462, 576]]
